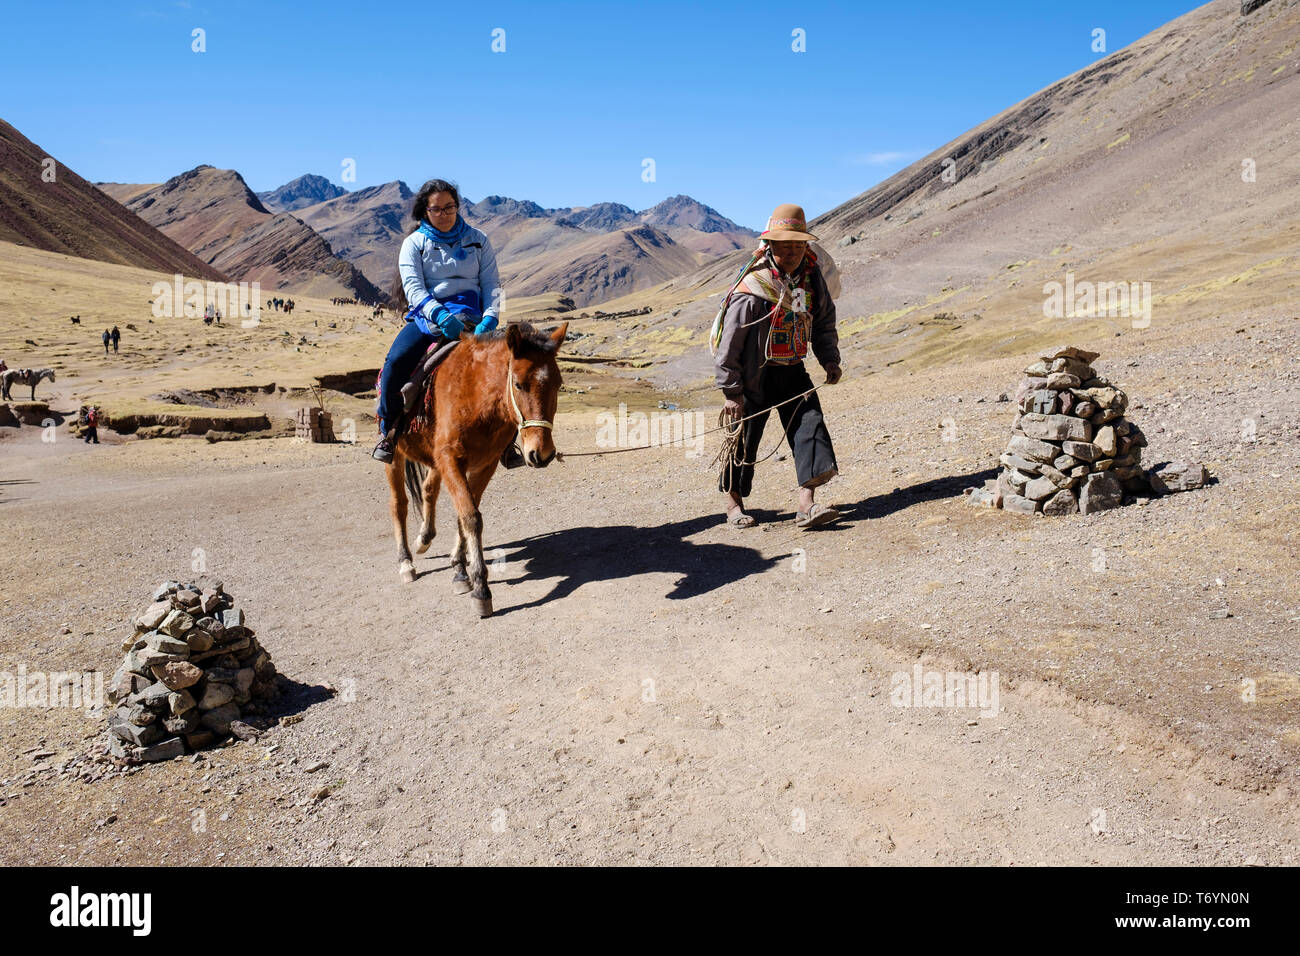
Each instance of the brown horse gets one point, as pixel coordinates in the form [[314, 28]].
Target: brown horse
[[489, 391]]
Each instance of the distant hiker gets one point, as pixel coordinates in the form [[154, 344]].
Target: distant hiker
[[778, 307], [117, 337], [92, 425], [108, 336], [449, 275]]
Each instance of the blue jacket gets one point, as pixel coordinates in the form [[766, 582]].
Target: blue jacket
[[448, 270]]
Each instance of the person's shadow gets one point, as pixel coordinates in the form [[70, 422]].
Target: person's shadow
[[946, 486], [584, 554]]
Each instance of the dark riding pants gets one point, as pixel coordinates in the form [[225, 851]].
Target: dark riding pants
[[810, 442], [408, 348]]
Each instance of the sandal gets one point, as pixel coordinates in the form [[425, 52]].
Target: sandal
[[815, 516], [738, 519]]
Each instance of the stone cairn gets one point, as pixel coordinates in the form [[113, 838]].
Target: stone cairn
[[193, 670], [313, 424], [1071, 449]]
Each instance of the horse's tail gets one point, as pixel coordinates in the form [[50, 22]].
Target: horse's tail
[[415, 472]]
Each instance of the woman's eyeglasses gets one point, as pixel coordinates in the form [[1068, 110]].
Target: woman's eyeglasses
[[441, 210]]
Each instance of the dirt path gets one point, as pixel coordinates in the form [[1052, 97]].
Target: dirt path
[[657, 687]]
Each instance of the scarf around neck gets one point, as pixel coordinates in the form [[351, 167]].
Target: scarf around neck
[[451, 236]]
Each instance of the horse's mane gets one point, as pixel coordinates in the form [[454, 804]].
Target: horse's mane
[[532, 338]]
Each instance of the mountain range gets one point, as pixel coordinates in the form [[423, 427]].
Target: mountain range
[[316, 236], [590, 253], [48, 206], [214, 214]]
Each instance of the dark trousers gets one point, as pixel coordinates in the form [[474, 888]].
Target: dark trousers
[[92, 434], [810, 442], [408, 348]]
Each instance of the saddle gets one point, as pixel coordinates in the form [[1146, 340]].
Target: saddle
[[417, 416]]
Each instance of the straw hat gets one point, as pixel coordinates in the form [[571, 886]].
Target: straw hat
[[787, 222]]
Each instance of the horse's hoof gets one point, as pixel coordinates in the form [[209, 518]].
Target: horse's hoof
[[461, 585], [483, 606], [422, 544], [406, 571]]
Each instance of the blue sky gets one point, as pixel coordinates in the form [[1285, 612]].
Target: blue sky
[[582, 95]]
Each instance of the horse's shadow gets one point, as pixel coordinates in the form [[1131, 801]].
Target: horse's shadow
[[585, 554]]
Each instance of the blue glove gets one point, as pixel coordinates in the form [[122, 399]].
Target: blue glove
[[451, 326], [487, 325], [448, 324]]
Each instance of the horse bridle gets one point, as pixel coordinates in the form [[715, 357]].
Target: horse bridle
[[522, 422]]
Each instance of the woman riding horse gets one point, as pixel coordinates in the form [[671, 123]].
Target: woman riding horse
[[449, 276]]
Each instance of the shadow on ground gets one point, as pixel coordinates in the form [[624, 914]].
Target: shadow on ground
[[585, 554], [949, 486]]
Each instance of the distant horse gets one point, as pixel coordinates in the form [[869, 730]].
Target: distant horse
[[76, 320], [491, 390], [25, 376]]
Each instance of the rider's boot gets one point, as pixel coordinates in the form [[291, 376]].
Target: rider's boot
[[512, 457]]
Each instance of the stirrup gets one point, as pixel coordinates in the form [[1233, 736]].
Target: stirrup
[[384, 450], [512, 457]]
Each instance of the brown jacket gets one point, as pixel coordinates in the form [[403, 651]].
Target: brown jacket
[[738, 362]]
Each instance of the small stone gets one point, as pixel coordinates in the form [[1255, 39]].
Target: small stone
[[1105, 442], [1032, 449], [1042, 402], [216, 695], [234, 617], [153, 615], [131, 733], [153, 696], [1069, 351], [176, 624], [1220, 614], [185, 723], [1085, 410], [198, 640], [243, 731], [177, 675], [187, 599], [1060, 380], [164, 591], [1177, 476], [1101, 491], [1019, 504], [1062, 503], [164, 750], [1058, 478], [209, 602], [141, 716], [173, 647], [1082, 450], [218, 720], [178, 702], [1019, 463], [1040, 488]]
